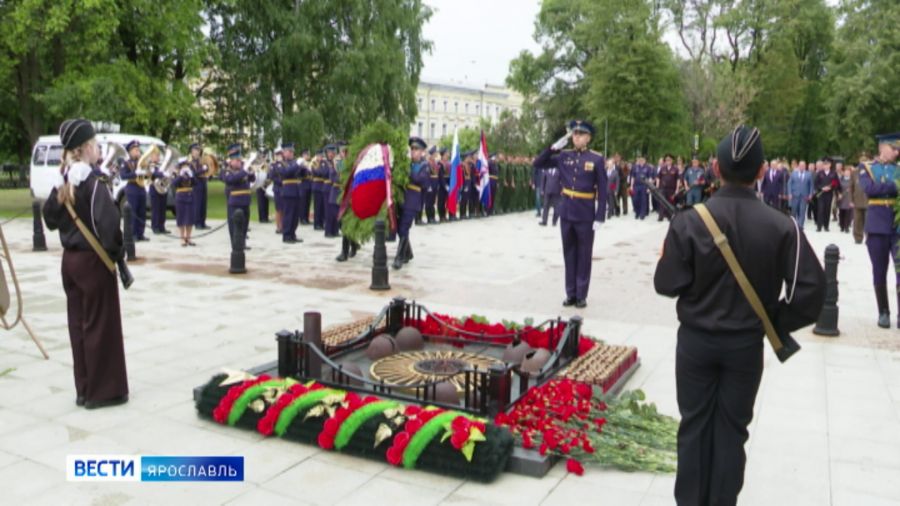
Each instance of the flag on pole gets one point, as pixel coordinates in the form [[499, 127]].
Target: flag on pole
[[484, 175], [455, 176]]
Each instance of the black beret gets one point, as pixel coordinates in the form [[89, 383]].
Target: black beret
[[741, 151], [75, 132]]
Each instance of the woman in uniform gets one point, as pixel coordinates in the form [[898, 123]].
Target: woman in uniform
[[184, 202], [82, 208]]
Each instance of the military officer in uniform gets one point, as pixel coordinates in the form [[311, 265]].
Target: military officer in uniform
[[412, 199], [237, 188], [200, 190], [641, 173], [719, 354], [432, 186], [135, 191], [668, 182], [289, 173], [262, 202], [331, 192], [860, 202], [583, 206], [275, 176], [443, 169], [319, 177], [305, 186], [878, 181], [158, 200]]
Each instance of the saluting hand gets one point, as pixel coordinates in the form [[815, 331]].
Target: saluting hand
[[562, 142]]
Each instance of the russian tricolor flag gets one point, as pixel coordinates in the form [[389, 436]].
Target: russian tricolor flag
[[369, 187], [484, 180], [456, 179]]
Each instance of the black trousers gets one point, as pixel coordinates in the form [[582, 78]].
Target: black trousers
[[823, 210], [717, 378]]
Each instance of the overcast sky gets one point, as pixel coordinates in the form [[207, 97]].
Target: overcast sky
[[461, 54]]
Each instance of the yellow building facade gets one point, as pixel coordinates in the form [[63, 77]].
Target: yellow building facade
[[445, 107]]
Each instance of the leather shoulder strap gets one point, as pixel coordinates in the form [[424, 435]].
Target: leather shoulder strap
[[104, 256], [722, 243]]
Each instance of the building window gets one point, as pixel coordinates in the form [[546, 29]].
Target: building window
[[432, 132], [445, 106], [467, 108], [444, 128], [419, 131], [478, 109], [488, 110], [432, 104], [455, 106]]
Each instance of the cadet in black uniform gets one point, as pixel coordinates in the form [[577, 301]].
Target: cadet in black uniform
[[719, 356]]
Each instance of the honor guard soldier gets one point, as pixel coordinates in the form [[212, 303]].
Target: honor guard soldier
[[443, 171], [237, 189], [184, 183], [641, 173], [158, 200], [583, 206], [719, 354], [289, 174], [305, 186], [274, 175], [412, 199], [319, 178], [331, 189], [83, 210], [878, 181], [431, 187], [135, 191], [201, 189], [493, 174]]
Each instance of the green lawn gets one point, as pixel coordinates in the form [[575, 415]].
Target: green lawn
[[14, 201]]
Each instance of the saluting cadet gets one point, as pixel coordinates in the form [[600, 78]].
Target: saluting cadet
[[157, 199], [719, 354], [878, 181], [184, 183], [431, 188], [332, 190], [641, 173], [237, 188], [305, 186], [289, 173], [134, 191], [443, 169], [274, 176], [201, 189], [88, 272], [319, 177], [412, 199], [583, 206]]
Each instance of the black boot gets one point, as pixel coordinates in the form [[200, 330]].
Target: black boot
[[401, 251], [884, 311], [354, 247], [407, 255], [345, 250]]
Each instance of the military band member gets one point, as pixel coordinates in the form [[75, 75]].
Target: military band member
[[201, 189], [319, 174], [262, 201], [719, 354], [305, 186], [412, 199], [237, 188], [878, 181], [289, 174], [184, 183], [274, 175], [443, 171], [158, 200], [641, 173], [583, 206], [92, 292], [135, 191]]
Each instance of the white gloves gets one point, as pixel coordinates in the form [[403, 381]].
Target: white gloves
[[141, 172], [78, 172], [597, 225], [562, 142], [186, 172]]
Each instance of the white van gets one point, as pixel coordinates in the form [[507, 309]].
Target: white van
[[47, 156]]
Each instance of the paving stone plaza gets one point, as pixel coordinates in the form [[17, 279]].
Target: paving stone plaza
[[826, 428]]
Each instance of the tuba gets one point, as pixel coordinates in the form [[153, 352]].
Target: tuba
[[168, 166], [144, 163], [258, 165]]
